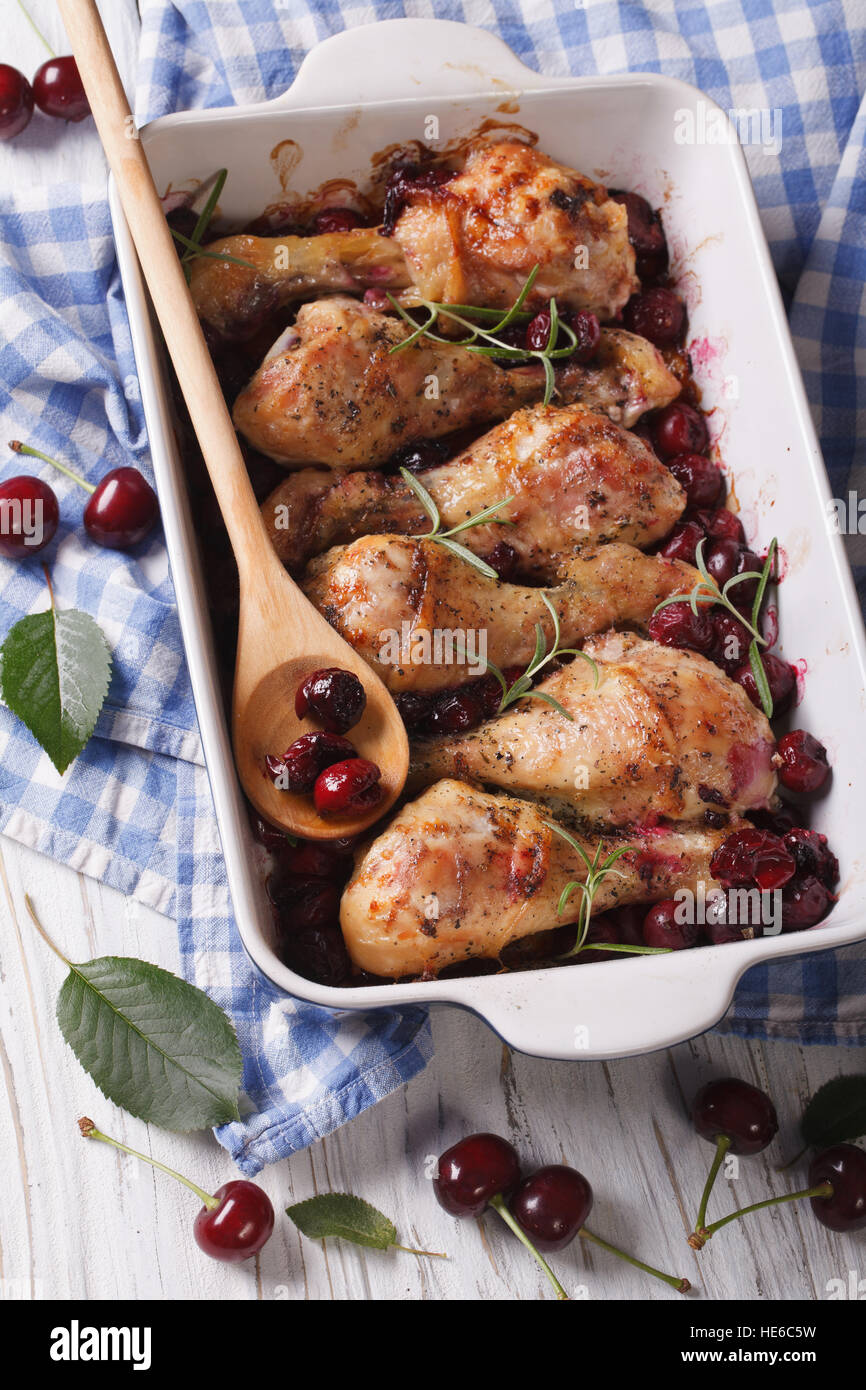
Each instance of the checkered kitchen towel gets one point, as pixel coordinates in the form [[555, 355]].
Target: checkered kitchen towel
[[135, 808]]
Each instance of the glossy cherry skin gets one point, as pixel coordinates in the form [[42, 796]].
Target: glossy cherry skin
[[645, 232], [700, 479], [16, 102], [679, 429], [474, 1170], [27, 505], [753, 856], [682, 543], [304, 759], [662, 930], [676, 625], [239, 1226], [844, 1166], [349, 786], [122, 510], [59, 91], [333, 696], [656, 314], [781, 678], [804, 762], [551, 1205], [735, 1108], [336, 220]]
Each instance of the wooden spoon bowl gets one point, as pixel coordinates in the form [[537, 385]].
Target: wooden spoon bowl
[[264, 721]]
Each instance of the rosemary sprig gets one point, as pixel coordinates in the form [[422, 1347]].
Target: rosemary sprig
[[520, 689], [596, 873], [707, 592], [485, 340], [193, 244], [444, 538]]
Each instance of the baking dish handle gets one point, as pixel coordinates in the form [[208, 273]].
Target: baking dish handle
[[400, 58], [591, 1012]]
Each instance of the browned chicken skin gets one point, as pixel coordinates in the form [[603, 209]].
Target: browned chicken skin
[[424, 619], [665, 733], [475, 240], [459, 874], [337, 394], [576, 479]]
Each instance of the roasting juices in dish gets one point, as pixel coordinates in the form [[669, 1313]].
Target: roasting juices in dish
[[478, 446]]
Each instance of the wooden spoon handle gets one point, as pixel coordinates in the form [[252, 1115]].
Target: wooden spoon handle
[[166, 282]]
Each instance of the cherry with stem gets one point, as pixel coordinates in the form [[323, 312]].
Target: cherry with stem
[[735, 1116], [700, 1236], [234, 1222], [123, 506]]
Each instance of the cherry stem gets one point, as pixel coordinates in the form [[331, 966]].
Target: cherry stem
[[430, 1254], [681, 1285], [498, 1205], [89, 1130], [37, 31], [702, 1233], [20, 448], [42, 932], [723, 1143]]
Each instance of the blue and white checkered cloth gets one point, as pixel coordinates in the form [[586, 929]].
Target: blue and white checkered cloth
[[135, 808]]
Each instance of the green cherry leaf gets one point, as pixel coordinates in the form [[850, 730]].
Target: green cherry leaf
[[55, 668], [349, 1218]]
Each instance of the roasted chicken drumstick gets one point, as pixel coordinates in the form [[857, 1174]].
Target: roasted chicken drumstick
[[388, 596], [577, 479], [472, 240], [333, 392], [459, 874], [665, 733]]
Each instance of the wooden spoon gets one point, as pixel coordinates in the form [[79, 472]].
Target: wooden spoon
[[281, 637]]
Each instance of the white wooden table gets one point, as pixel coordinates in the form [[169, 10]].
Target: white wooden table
[[80, 1221]]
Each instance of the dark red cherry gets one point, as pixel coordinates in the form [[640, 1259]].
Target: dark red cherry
[[721, 525], [122, 509], [351, 786], [28, 516], [456, 711], [415, 709], [805, 902], [538, 331], [752, 856], [587, 330], [812, 855], [679, 429], [318, 859], [59, 91], [730, 641], [505, 560], [656, 314], [303, 902], [676, 625], [239, 1226], [552, 1205], [700, 479], [683, 541], [16, 102], [721, 559], [781, 678], [662, 930], [472, 1171], [735, 1108], [804, 762], [309, 755], [646, 234], [336, 220], [844, 1168], [333, 696], [319, 952]]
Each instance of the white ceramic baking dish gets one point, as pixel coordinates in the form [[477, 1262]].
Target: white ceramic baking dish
[[380, 84]]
